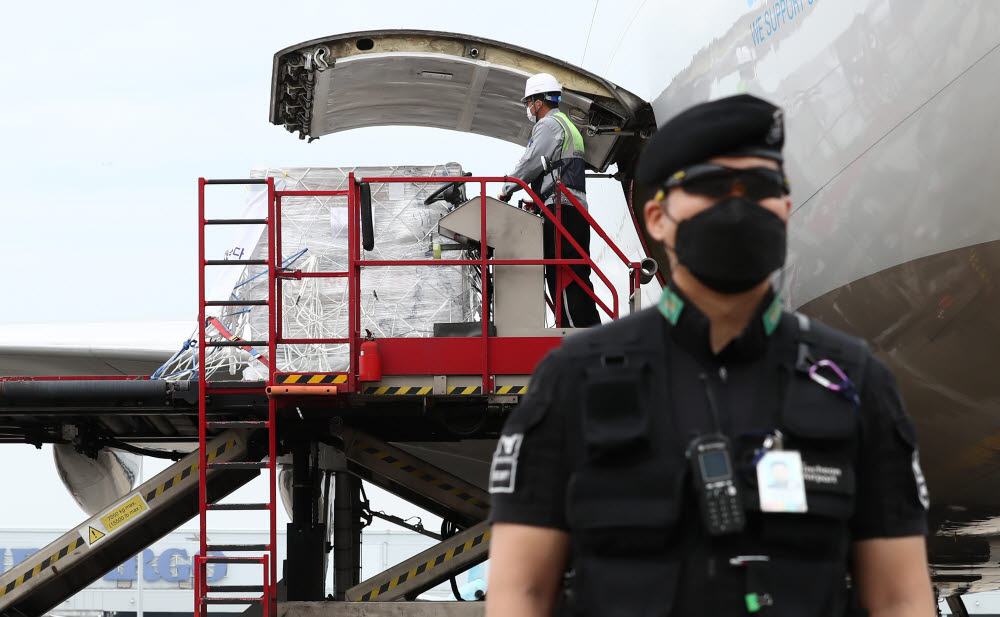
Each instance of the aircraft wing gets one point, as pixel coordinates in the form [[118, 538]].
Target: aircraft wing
[[89, 349]]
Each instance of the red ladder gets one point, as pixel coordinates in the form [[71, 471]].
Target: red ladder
[[267, 553]]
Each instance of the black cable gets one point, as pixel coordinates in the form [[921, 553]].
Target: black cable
[[454, 590], [367, 514], [366, 508], [172, 455], [417, 527], [711, 403], [448, 529]]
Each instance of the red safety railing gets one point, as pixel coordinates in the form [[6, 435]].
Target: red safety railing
[[267, 599], [446, 346], [401, 356], [277, 273]]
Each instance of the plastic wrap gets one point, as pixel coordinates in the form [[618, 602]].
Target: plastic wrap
[[397, 301]]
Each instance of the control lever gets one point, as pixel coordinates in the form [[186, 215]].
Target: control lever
[[527, 205]]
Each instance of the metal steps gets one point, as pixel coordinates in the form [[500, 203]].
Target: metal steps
[[268, 560]]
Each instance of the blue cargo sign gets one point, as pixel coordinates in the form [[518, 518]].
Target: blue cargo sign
[[172, 565]]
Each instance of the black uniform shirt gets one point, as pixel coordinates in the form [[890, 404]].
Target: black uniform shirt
[[532, 466]]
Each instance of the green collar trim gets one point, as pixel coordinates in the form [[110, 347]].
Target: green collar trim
[[671, 306], [772, 315]]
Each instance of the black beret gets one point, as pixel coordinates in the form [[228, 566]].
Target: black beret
[[741, 125]]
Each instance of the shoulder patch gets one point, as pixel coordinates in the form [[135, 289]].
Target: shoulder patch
[[503, 470], [918, 476]]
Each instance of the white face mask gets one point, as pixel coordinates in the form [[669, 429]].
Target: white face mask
[[531, 116]]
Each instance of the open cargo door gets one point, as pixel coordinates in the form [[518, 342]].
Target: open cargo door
[[456, 82]]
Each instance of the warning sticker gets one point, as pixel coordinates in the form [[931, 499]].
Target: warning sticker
[[95, 535], [124, 513]]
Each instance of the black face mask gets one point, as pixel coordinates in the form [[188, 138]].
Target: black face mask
[[732, 246]]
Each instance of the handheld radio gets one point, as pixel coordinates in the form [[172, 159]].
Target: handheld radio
[[718, 494]]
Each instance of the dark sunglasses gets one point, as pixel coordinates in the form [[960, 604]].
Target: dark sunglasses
[[717, 181]]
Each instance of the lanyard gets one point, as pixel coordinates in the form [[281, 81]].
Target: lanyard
[[773, 381]]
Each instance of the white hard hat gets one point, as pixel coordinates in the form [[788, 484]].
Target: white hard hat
[[540, 84]]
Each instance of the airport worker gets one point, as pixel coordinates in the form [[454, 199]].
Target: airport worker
[[556, 137], [714, 455]]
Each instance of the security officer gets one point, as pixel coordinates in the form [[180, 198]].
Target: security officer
[[643, 464], [556, 137]]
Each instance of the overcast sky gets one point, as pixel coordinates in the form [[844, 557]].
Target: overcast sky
[[112, 110]]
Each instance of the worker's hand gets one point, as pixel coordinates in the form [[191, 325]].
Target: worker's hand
[[503, 197]]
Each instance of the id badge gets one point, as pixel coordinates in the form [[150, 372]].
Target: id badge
[[780, 483]]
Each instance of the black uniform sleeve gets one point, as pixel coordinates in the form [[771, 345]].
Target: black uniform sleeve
[[528, 475], [891, 493]]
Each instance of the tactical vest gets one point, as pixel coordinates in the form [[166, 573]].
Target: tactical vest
[[571, 165], [638, 541]]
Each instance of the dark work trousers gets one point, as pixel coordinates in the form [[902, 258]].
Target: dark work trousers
[[582, 310]]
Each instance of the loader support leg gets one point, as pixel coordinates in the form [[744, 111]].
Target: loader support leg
[[346, 533], [305, 569]]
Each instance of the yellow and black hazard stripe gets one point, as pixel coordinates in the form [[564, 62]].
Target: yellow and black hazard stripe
[[465, 390], [421, 390], [50, 560], [417, 390], [187, 471], [424, 567], [512, 390], [423, 475], [310, 378]]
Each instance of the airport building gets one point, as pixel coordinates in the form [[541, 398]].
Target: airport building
[[162, 585]]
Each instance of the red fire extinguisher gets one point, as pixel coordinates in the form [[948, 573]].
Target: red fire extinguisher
[[370, 362]]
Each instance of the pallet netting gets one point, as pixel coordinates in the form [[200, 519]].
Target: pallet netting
[[397, 301]]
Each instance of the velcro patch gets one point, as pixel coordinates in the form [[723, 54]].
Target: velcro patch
[[826, 475], [503, 471]]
